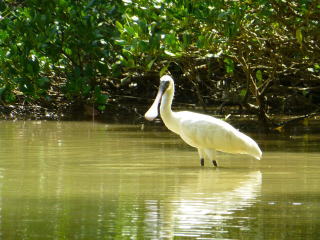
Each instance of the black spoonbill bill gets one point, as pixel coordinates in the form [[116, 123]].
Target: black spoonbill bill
[[206, 133]]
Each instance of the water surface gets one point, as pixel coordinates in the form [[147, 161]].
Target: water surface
[[79, 180]]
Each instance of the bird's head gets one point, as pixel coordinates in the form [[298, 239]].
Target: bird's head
[[166, 84]]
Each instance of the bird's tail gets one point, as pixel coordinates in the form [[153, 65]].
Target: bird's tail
[[257, 153], [250, 146], [254, 150]]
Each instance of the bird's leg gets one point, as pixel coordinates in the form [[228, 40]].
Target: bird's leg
[[201, 155], [215, 163], [202, 162], [211, 154]]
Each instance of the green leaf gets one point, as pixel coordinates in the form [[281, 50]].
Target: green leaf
[[229, 65], [169, 53], [90, 4], [130, 30], [30, 68], [62, 3], [150, 64], [305, 92], [43, 82], [243, 92], [2, 91], [101, 107], [119, 26], [259, 76], [164, 70], [186, 40], [299, 36], [201, 41], [67, 51], [3, 35], [100, 98]]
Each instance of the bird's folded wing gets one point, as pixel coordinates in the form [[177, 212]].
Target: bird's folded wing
[[208, 132]]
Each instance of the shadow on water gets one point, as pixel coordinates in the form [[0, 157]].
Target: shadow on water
[[78, 180]]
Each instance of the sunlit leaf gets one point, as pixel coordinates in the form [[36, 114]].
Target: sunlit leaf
[[171, 54], [150, 64], [119, 26], [229, 64], [120, 41], [279, 129]]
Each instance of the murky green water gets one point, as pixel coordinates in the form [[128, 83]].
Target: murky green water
[[76, 180]]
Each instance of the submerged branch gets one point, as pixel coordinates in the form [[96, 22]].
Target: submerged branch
[[292, 122]]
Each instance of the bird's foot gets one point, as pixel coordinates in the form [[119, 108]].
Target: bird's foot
[[215, 163], [202, 162]]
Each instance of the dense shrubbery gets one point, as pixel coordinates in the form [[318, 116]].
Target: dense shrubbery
[[61, 46], [263, 55]]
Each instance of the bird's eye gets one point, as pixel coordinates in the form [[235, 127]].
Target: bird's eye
[[164, 85]]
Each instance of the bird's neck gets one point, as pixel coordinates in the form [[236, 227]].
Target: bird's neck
[[168, 116]]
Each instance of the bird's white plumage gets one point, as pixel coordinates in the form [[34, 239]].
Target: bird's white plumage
[[206, 132], [199, 130]]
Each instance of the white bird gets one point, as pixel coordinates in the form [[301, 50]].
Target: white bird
[[206, 133]]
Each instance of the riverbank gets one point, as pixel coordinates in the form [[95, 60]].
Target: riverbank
[[133, 113]]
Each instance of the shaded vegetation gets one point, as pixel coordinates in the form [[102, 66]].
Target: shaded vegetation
[[263, 56]]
